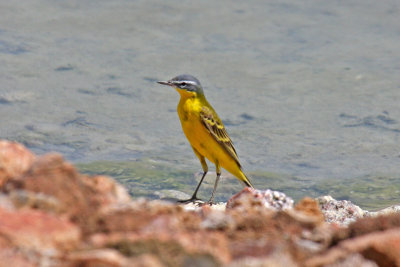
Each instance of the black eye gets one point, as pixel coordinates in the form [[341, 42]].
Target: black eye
[[183, 84]]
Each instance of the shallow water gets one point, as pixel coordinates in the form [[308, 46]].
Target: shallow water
[[309, 91]]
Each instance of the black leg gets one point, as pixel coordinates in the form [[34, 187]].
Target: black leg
[[194, 196]]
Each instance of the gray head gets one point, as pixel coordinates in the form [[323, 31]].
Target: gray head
[[185, 82]]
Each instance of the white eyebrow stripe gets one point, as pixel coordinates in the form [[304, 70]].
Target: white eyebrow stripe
[[190, 82]]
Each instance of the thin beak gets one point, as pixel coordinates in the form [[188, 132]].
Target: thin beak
[[165, 83]]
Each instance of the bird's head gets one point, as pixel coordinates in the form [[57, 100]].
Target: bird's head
[[185, 84]]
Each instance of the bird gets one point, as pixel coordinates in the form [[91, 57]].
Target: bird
[[205, 132]]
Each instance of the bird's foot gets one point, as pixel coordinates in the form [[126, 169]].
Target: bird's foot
[[211, 201], [202, 204], [193, 199]]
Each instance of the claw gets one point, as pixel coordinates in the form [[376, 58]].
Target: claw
[[193, 199], [210, 203]]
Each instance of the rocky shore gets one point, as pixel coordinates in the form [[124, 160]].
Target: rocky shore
[[51, 215]]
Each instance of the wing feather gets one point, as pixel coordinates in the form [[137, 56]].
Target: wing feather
[[217, 130]]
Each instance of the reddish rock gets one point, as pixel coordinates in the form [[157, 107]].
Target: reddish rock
[[98, 257], [368, 225], [38, 231], [144, 215], [279, 258], [76, 195], [365, 226], [377, 239], [145, 260], [171, 248], [162, 229], [15, 160], [107, 191], [28, 199], [309, 209], [13, 257], [262, 232], [51, 214], [216, 219], [380, 247], [353, 260]]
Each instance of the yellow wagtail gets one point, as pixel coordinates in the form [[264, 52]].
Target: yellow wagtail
[[205, 131]]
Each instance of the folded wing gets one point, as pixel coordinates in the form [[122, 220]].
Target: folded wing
[[217, 130]]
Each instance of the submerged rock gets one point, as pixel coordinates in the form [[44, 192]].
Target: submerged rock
[[171, 195]]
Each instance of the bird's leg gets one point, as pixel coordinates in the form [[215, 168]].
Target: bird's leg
[[211, 201], [205, 170], [194, 196]]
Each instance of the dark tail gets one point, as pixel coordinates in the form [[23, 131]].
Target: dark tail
[[247, 182]]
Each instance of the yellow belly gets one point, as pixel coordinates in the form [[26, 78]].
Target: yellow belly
[[202, 140], [207, 146]]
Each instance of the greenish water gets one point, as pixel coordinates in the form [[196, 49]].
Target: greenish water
[[145, 178], [309, 91]]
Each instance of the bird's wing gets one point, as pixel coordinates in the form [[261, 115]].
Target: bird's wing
[[217, 130]]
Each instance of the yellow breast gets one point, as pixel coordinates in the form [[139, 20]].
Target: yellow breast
[[199, 137]]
